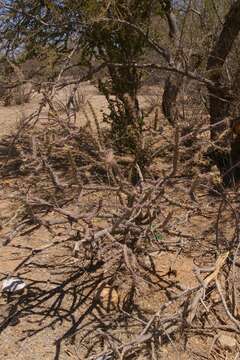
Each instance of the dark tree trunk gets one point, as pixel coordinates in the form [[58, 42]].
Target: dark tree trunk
[[220, 96], [173, 82], [171, 89]]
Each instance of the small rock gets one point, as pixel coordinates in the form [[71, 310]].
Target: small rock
[[227, 342], [13, 285]]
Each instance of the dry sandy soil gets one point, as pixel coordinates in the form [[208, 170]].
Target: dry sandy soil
[[16, 340]]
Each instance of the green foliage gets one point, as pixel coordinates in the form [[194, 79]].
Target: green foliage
[[113, 37], [158, 236], [109, 31]]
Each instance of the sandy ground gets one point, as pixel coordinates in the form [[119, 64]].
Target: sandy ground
[[11, 115]]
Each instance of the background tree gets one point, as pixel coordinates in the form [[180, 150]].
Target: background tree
[[117, 35]]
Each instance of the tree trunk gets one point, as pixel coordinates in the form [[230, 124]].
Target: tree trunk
[[220, 97], [173, 82]]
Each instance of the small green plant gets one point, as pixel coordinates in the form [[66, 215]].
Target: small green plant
[[158, 236]]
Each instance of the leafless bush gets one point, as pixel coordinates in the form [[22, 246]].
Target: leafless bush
[[22, 94], [106, 232], [76, 97], [153, 101], [18, 95]]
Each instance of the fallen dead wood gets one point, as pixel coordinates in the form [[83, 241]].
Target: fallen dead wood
[[111, 230]]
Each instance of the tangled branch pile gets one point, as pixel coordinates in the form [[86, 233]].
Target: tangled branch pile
[[106, 239]]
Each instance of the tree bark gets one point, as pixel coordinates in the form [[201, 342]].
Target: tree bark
[[219, 95], [173, 82], [221, 100]]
